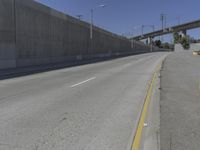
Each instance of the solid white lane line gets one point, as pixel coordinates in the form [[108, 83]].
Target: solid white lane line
[[83, 82]]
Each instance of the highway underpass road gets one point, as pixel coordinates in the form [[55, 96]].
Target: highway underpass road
[[90, 107]]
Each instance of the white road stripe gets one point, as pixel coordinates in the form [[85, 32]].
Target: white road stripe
[[83, 82]]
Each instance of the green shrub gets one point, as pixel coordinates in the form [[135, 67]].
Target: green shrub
[[185, 42], [158, 43], [176, 38], [166, 45]]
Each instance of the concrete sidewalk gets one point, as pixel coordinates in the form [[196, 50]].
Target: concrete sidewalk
[[180, 102]]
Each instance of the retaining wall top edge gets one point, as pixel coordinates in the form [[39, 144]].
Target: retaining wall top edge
[[46, 9]]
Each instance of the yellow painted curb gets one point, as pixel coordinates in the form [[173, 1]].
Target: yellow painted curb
[[199, 85], [138, 135]]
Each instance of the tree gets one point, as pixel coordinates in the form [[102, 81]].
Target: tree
[[176, 38], [166, 45], [158, 43], [185, 41]]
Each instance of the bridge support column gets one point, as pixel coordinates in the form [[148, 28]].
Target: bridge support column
[[150, 43]]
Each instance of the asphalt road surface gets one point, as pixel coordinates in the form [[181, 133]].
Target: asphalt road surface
[[90, 107]]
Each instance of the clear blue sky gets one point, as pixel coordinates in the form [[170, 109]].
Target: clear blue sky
[[127, 16]]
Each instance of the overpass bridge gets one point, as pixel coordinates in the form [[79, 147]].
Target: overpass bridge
[[179, 28]]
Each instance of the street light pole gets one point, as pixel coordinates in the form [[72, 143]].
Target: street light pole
[[91, 32], [91, 23], [14, 15], [91, 28]]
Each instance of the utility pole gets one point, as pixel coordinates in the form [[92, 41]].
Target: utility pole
[[162, 17], [142, 30], [150, 39], [179, 20], [163, 21]]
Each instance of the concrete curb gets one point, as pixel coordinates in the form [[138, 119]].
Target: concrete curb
[[154, 75]]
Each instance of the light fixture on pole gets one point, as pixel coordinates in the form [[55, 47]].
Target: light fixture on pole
[[91, 26], [91, 20]]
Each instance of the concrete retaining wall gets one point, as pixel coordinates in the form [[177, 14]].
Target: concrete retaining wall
[[7, 34], [33, 34], [193, 47]]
